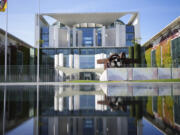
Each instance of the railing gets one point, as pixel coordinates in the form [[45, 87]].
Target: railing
[[28, 73], [19, 73]]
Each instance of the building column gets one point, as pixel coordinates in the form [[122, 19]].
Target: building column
[[79, 38], [76, 61], [51, 36], [74, 37], [56, 100], [56, 60], [117, 35], [61, 106], [56, 36], [70, 103], [71, 61], [69, 37], [122, 35], [61, 60], [103, 36], [94, 37], [96, 58]]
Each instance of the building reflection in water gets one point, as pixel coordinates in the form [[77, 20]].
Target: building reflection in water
[[80, 99], [92, 109]]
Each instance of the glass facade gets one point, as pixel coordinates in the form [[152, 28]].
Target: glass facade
[[63, 51], [44, 37], [129, 35], [99, 37], [87, 102], [87, 61], [66, 60], [87, 36], [87, 51], [86, 55], [47, 56]]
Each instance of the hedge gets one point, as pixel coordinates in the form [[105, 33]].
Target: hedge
[[158, 56], [131, 53], [137, 54], [166, 53], [148, 57]]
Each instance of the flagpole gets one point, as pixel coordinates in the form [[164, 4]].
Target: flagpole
[[6, 44], [38, 44], [5, 73]]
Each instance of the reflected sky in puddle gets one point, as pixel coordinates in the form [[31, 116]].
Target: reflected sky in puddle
[[99, 109]]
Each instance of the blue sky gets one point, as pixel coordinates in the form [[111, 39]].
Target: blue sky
[[154, 14]]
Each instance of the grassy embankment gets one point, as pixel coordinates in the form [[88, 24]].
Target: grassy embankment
[[96, 81]]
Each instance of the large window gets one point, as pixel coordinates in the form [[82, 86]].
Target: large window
[[87, 51], [129, 35], [44, 37], [98, 51], [66, 61], [87, 102], [75, 51], [87, 36], [108, 51], [99, 37], [130, 29], [87, 61], [63, 51], [47, 56]]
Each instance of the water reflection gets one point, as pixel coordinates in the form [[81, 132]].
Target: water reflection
[[121, 109]]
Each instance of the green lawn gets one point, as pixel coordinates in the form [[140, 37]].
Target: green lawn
[[96, 81], [161, 80], [90, 81]]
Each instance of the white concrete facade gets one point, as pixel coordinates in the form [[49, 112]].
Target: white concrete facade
[[71, 57], [76, 61], [122, 36], [56, 60], [136, 24], [61, 60], [69, 34]]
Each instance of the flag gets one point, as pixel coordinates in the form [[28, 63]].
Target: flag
[[3, 5]]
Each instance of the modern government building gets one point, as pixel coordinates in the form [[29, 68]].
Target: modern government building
[[77, 40]]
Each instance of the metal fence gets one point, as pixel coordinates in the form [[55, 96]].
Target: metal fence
[[28, 73]]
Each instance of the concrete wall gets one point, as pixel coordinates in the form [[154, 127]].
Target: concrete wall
[[136, 24], [129, 89], [122, 35], [58, 37], [117, 74], [63, 38], [110, 37]]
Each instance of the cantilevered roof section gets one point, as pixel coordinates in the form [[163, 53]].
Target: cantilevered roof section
[[164, 30], [71, 19]]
